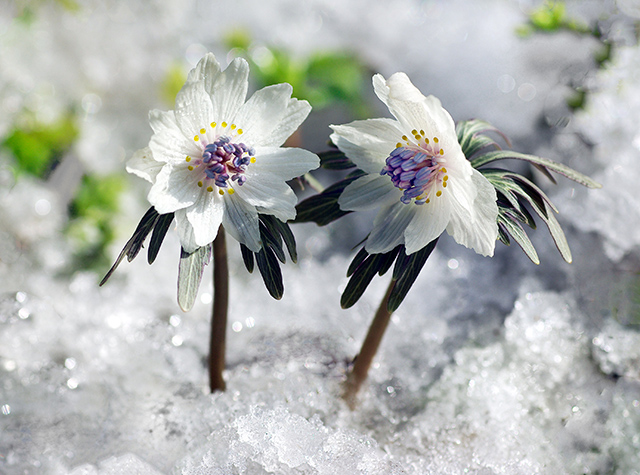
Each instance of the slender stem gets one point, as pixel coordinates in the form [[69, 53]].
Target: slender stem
[[219, 318], [369, 348]]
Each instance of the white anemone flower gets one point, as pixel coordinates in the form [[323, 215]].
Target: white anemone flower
[[217, 159], [417, 174]]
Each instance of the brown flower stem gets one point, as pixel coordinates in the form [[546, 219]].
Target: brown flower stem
[[369, 348], [217, 343]]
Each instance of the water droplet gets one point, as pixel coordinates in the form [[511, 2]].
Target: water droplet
[[452, 264], [70, 363], [177, 340], [236, 327], [42, 207], [72, 383], [6, 409]]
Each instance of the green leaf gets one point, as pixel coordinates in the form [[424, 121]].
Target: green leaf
[[514, 229], [270, 271], [323, 208], [133, 245], [157, 237], [543, 162], [273, 241], [287, 236], [190, 274], [247, 257], [335, 160], [362, 277], [409, 269]]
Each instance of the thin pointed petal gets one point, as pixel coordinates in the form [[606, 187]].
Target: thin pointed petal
[[389, 227]]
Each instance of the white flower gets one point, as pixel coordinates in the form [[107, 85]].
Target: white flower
[[416, 174], [216, 159]]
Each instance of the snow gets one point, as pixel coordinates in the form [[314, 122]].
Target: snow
[[489, 366]]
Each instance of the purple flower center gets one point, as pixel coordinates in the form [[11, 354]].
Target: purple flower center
[[417, 171]]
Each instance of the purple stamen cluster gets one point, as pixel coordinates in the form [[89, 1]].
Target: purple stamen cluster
[[411, 171], [225, 160]]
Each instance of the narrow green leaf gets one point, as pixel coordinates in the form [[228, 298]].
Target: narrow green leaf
[[134, 244], [558, 236], [517, 232], [190, 274], [389, 259], [544, 162], [157, 237], [323, 208], [270, 271], [247, 257], [335, 160], [271, 238], [361, 279], [411, 268], [288, 238], [357, 260]]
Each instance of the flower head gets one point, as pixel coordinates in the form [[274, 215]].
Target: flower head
[[417, 174], [217, 159]]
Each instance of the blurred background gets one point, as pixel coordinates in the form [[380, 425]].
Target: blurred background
[[77, 79]]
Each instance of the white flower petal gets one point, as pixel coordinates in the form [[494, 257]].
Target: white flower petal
[[240, 219], [287, 163], [474, 224], [185, 231], [228, 89], [367, 192], [144, 165], [205, 216], [194, 109], [175, 188], [269, 114], [367, 143], [163, 120], [206, 70], [270, 195], [413, 110], [430, 221], [389, 227]]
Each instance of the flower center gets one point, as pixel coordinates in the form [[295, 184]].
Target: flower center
[[222, 163], [415, 168]]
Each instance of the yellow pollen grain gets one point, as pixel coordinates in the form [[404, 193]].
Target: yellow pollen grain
[[239, 131], [203, 130], [435, 139], [441, 151], [224, 124], [190, 168], [221, 192], [196, 138], [443, 170], [252, 159], [426, 140], [444, 184], [188, 159], [414, 132], [231, 191], [200, 184], [418, 137], [398, 145], [213, 125], [445, 178], [233, 126], [209, 189], [404, 137], [439, 193], [422, 132], [428, 201]]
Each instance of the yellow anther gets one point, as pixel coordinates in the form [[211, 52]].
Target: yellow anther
[[414, 132], [428, 201], [404, 137], [213, 125], [224, 124], [188, 159], [252, 159], [441, 151], [418, 137], [398, 145], [200, 184], [209, 189], [203, 130], [221, 192], [239, 131], [445, 178], [190, 167], [439, 193], [231, 191], [426, 140], [444, 184], [435, 139], [443, 170], [196, 138], [422, 132], [233, 126]]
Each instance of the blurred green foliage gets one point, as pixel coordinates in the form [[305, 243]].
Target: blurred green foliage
[[324, 78], [26, 10], [37, 147], [172, 83], [91, 215]]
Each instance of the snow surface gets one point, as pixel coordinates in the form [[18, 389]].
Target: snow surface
[[489, 366]]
